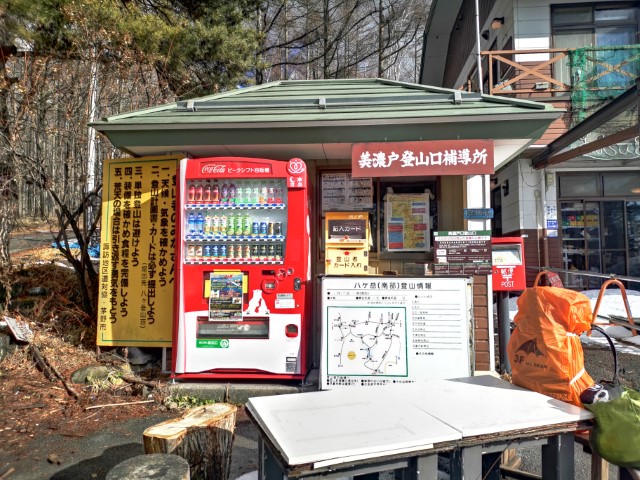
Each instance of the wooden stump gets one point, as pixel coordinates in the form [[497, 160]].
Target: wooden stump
[[155, 466], [202, 435]]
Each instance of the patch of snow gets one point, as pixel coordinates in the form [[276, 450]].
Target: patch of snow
[[253, 475], [610, 304], [635, 340], [614, 331]]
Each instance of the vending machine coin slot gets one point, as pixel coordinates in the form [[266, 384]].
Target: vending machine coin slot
[[269, 285], [297, 284], [291, 331]]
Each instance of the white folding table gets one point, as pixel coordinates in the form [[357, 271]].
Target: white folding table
[[349, 432]]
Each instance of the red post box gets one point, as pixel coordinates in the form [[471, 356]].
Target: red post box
[[508, 269]]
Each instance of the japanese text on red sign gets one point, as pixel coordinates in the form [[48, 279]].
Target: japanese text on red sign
[[409, 159]]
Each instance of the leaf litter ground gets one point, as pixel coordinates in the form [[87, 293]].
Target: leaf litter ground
[[34, 406]]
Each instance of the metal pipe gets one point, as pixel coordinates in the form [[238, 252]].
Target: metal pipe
[[504, 331], [479, 59]]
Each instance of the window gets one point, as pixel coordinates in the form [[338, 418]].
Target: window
[[621, 184], [596, 25], [600, 233], [579, 185]]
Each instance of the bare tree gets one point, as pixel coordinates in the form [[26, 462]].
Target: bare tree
[[339, 38]]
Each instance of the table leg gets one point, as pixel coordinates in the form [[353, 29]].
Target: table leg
[[466, 463], [268, 466], [557, 458], [426, 468]]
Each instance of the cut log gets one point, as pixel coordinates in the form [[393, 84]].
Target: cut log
[[157, 465], [202, 435]]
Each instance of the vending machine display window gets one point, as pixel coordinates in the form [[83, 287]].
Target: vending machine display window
[[235, 221]]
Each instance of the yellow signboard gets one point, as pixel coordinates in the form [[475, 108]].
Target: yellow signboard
[[135, 305]]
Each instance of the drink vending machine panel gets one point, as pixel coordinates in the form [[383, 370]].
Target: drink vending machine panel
[[243, 269]]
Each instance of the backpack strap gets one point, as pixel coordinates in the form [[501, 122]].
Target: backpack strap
[[552, 278], [613, 351]]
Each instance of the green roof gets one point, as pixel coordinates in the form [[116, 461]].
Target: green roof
[[324, 111]]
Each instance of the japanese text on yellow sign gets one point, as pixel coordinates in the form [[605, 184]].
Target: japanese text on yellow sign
[[137, 252]]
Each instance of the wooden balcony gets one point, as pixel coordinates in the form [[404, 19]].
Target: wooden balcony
[[579, 80], [514, 73]]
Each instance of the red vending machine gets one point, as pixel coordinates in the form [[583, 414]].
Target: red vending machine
[[243, 269]]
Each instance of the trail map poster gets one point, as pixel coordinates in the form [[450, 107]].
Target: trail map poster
[[407, 222], [379, 331], [137, 252]]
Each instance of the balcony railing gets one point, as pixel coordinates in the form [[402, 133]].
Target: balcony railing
[[587, 76]]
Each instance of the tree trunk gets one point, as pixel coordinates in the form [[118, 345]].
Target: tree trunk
[[8, 192], [203, 436]]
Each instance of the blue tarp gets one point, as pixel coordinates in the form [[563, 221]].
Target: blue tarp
[[94, 250]]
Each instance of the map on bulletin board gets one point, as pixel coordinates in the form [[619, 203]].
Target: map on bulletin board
[[407, 222], [381, 330], [135, 299]]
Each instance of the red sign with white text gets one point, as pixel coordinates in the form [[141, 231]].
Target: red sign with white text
[[438, 157]]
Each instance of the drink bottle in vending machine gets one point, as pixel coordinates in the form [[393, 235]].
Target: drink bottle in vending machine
[[242, 269]]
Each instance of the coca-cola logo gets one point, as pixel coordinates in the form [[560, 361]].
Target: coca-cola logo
[[296, 166], [214, 168]]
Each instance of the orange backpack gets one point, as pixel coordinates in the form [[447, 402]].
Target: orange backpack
[[544, 349]]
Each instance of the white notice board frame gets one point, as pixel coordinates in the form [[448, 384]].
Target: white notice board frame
[[394, 330]]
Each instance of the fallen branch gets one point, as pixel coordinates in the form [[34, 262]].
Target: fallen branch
[[7, 473], [27, 407], [42, 364], [130, 379], [118, 404], [38, 354]]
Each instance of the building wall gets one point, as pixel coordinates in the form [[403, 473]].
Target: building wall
[[526, 22], [531, 183], [533, 21], [451, 201], [461, 59], [483, 348], [463, 39], [510, 205], [525, 210]]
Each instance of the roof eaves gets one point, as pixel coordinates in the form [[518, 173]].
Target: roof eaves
[[464, 118]]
